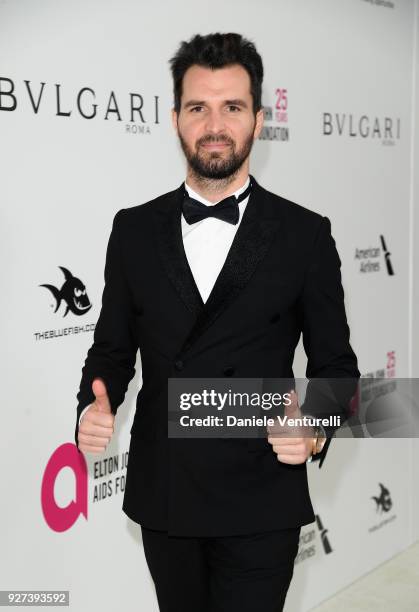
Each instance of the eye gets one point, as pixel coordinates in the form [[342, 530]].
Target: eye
[[194, 108], [234, 107], [77, 292]]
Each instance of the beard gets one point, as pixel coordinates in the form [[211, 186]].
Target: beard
[[216, 165]]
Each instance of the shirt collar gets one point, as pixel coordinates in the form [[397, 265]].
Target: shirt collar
[[196, 196]]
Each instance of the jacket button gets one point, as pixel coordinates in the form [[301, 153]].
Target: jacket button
[[179, 364], [228, 371]]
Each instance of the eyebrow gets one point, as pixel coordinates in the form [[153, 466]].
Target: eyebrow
[[235, 102]]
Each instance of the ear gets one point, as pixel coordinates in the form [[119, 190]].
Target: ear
[[174, 119], [258, 123]]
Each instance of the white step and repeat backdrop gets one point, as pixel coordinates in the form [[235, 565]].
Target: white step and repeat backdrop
[[72, 154]]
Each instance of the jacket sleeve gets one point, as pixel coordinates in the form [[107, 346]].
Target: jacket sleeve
[[326, 336], [113, 353]]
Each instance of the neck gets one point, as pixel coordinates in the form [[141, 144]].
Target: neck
[[214, 190]]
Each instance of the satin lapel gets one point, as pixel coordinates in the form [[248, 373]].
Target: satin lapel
[[168, 233], [250, 245]]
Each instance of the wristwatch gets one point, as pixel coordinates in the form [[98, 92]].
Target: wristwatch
[[318, 441]]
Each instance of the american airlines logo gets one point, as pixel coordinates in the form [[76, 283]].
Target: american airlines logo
[[309, 545], [375, 258]]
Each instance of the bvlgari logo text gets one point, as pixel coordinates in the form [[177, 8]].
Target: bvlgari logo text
[[386, 129], [39, 96]]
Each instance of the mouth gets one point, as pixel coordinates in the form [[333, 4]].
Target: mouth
[[80, 305], [214, 146]]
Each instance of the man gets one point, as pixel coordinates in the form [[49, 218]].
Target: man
[[216, 278]]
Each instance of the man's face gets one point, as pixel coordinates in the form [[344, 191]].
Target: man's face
[[216, 124]]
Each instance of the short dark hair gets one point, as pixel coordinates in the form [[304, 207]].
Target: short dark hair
[[217, 51]]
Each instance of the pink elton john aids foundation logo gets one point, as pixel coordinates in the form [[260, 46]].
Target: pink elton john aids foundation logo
[[58, 518]]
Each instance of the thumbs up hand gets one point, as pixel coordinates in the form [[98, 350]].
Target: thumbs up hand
[[292, 444], [97, 425]]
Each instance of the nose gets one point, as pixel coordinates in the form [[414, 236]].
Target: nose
[[214, 122]]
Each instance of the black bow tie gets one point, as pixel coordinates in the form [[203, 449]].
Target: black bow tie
[[226, 210]]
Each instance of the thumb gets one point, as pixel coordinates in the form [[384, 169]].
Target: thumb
[[292, 410], [102, 400]]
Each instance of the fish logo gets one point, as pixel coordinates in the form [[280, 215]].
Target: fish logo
[[383, 501], [73, 293]]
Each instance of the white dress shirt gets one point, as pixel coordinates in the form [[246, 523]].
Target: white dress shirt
[[206, 245]]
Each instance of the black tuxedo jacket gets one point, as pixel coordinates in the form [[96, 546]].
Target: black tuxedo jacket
[[281, 278]]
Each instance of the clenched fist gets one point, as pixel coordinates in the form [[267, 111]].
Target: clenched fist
[[97, 425]]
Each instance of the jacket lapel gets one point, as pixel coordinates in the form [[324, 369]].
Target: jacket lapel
[[251, 242], [168, 232]]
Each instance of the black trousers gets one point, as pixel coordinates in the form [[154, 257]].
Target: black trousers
[[245, 573]]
